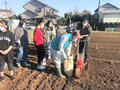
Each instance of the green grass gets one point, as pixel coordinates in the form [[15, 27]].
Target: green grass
[[104, 32], [31, 32]]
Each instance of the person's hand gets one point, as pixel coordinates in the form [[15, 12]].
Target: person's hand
[[65, 57], [5, 52], [1, 51], [81, 36]]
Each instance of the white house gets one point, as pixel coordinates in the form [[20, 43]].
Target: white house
[[35, 9], [109, 14]]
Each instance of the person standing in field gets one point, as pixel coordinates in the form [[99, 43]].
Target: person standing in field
[[58, 47], [7, 41], [22, 42], [38, 41], [51, 35], [85, 33], [45, 38]]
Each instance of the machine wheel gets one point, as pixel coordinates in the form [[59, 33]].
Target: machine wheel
[[77, 73]]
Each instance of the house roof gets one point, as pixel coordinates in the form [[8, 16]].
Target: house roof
[[40, 3], [28, 14], [5, 10], [106, 6]]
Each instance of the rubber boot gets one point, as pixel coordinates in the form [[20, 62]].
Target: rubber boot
[[62, 69], [86, 64], [59, 73]]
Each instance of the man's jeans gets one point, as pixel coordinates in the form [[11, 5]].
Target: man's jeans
[[48, 47], [22, 52]]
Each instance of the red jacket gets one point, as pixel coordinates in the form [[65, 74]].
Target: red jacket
[[38, 39]]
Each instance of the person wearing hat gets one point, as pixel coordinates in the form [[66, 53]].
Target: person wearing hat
[[85, 33], [58, 47]]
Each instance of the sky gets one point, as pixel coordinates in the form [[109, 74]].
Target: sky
[[62, 6]]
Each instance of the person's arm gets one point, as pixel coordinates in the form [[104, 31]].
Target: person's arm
[[1, 51], [85, 35], [7, 51], [61, 44], [18, 35], [69, 50], [12, 42], [35, 35], [89, 32], [54, 32]]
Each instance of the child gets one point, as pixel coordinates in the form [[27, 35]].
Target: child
[[38, 40]]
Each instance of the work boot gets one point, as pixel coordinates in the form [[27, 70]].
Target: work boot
[[85, 61], [59, 73], [12, 78], [86, 66], [62, 68]]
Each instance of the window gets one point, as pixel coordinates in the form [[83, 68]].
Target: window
[[38, 10]]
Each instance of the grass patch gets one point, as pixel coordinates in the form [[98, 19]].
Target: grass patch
[[103, 32]]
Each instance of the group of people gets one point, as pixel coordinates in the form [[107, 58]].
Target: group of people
[[45, 35]]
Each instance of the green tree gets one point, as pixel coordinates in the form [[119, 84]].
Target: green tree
[[13, 17], [68, 17]]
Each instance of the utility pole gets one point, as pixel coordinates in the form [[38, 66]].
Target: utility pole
[[5, 5], [99, 10], [98, 15], [6, 8]]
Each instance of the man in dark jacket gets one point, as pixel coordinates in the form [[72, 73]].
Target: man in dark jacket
[[85, 33]]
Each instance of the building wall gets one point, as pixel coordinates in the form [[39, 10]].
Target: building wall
[[111, 18], [101, 17], [5, 14], [34, 6]]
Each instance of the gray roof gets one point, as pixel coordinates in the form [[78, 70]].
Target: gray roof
[[108, 6], [28, 14], [41, 3]]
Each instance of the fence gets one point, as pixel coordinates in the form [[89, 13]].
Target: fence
[[112, 29]]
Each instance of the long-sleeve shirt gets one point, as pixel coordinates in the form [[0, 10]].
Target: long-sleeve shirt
[[21, 37], [38, 39], [7, 39], [61, 44], [85, 30]]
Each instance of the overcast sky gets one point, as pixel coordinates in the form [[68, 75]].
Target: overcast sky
[[62, 5]]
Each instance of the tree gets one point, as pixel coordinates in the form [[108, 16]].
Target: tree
[[86, 12], [68, 17], [13, 17], [62, 21]]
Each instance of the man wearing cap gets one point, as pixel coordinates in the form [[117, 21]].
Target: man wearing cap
[[58, 46]]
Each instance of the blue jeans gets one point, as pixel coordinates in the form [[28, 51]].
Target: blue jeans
[[48, 47], [22, 52]]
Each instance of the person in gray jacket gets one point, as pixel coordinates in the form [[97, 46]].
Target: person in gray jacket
[[22, 41]]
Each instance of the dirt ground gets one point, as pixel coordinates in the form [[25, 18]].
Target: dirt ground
[[103, 71]]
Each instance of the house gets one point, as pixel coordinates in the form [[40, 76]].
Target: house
[[4, 14], [109, 14], [35, 10]]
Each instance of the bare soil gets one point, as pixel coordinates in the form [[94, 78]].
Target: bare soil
[[103, 71]]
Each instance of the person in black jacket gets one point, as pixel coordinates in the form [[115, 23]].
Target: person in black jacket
[[85, 33], [6, 52]]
